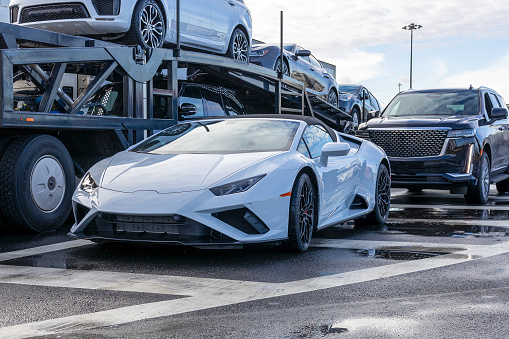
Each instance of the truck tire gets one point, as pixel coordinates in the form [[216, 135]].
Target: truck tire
[[478, 194], [4, 143], [36, 183]]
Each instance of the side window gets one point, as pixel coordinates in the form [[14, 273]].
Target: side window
[[214, 103], [303, 148], [316, 137], [502, 101], [160, 106], [315, 62], [488, 104], [233, 106], [374, 103], [192, 95], [494, 101]]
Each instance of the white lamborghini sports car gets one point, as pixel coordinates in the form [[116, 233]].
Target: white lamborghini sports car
[[234, 181]]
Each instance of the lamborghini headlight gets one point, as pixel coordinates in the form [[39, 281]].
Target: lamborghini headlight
[[236, 186], [88, 184]]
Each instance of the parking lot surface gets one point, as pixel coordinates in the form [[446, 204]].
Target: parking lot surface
[[437, 269]]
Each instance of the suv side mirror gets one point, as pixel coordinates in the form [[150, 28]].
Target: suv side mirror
[[333, 149], [499, 113], [187, 109], [303, 53], [373, 114]]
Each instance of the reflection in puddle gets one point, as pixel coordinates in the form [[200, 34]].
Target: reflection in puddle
[[399, 254], [457, 231], [447, 214]]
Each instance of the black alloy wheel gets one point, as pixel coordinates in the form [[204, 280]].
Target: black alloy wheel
[[148, 28], [239, 46], [302, 214], [356, 118], [332, 98], [479, 193], [277, 67]]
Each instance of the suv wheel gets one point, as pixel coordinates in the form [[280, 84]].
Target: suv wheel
[[478, 194]]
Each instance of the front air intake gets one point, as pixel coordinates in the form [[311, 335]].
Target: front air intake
[[244, 220]]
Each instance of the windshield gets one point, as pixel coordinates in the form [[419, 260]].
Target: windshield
[[222, 137], [435, 103], [348, 88]]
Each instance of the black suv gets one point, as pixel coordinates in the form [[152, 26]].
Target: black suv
[[455, 139]]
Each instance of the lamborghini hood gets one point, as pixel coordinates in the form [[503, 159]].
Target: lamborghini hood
[[131, 172]]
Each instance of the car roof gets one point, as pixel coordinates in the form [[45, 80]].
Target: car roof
[[304, 118]]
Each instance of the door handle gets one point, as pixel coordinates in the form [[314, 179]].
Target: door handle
[[501, 128], [231, 3], [326, 76], [312, 69]]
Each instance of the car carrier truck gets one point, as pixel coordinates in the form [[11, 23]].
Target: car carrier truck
[[51, 132]]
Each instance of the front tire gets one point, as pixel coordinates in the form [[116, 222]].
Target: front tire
[[302, 214], [36, 183], [238, 48], [479, 193], [286, 69], [332, 98], [148, 27]]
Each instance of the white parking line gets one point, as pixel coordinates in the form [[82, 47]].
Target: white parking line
[[44, 249], [215, 294], [493, 223], [452, 207]]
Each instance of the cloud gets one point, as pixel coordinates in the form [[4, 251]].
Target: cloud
[[494, 76], [356, 66]]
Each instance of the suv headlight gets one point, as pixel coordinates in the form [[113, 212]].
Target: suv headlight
[[461, 133], [236, 186], [88, 184], [345, 97]]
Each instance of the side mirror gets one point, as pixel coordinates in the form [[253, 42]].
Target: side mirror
[[373, 114], [303, 53], [333, 149], [187, 109], [499, 113]]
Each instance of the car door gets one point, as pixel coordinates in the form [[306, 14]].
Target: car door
[[320, 76], [498, 134], [195, 18], [338, 180], [505, 125], [300, 70], [222, 13]]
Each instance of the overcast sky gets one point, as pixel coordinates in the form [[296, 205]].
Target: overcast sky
[[462, 42]]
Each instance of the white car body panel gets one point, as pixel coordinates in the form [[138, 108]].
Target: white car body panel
[[205, 24], [143, 184]]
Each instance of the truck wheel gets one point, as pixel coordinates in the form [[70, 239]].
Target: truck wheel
[[478, 194], [148, 28], [36, 183], [503, 186], [239, 46]]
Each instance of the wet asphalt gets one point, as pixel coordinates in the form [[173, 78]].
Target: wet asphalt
[[464, 299]]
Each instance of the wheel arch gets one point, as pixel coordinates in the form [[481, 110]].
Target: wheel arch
[[385, 162], [487, 149]]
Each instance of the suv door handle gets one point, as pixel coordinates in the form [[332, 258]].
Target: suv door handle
[[501, 128], [231, 3]]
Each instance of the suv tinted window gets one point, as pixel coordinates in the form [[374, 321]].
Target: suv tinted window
[[434, 103], [214, 103], [316, 137], [494, 101], [192, 95], [374, 103]]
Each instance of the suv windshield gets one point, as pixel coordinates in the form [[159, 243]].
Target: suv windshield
[[433, 103], [223, 137]]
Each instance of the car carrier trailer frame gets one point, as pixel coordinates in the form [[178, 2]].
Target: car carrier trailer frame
[[45, 148]]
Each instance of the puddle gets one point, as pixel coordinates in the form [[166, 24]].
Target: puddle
[[400, 254], [456, 231], [448, 214], [317, 331]]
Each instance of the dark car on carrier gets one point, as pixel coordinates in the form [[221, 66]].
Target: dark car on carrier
[[455, 139]]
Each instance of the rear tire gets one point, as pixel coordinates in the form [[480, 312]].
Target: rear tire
[[479, 193], [238, 48], [302, 214], [332, 98], [148, 27], [36, 183], [380, 213]]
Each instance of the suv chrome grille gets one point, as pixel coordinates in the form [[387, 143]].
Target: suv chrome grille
[[53, 12], [409, 143]]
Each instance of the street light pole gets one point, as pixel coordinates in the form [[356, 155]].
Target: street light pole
[[411, 28]]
